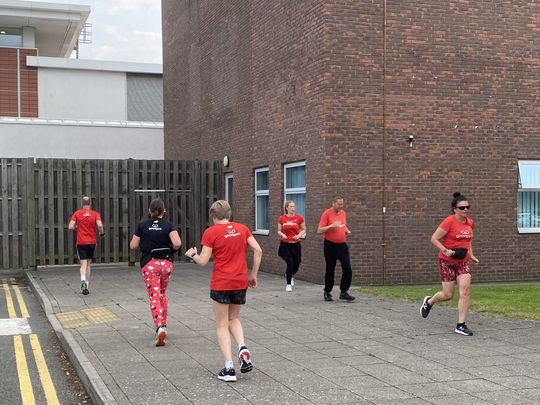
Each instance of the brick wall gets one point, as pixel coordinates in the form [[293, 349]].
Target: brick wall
[[8, 83], [342, 85]]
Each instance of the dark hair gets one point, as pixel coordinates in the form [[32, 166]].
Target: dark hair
[[337, 197], [86, 200], [457, 198], [156, 208]]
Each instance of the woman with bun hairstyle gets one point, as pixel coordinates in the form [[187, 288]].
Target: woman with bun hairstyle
[[453, 240], [158, 240], [291, 228]]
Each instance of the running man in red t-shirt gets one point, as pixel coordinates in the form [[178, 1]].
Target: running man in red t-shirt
[[453, 240], [333, 224], [84, 222], [227, 242], [291, 228]]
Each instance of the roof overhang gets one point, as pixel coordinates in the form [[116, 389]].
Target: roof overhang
[[57, 26]]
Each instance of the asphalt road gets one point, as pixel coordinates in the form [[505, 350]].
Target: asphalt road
[[33, 367]]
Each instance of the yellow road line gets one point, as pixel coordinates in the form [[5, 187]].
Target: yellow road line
[[27, 394], [20, 299], [9, 301], [44, 376]]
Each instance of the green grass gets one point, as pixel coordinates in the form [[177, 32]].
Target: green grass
[[517, 301]]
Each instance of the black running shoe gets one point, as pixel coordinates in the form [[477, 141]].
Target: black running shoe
[[346, 296], [463, 330], [246, 365], [328, 297], [425, 307], [84, 288], [228, 375]]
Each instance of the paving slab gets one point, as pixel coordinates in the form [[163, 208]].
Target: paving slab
[[306, 350]]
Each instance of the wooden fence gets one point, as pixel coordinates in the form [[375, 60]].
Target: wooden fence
[[38, 196]]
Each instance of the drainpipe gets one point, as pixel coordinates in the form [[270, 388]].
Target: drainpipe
[[383, 198]]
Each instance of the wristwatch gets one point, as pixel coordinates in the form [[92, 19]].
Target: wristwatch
[[193, 255]]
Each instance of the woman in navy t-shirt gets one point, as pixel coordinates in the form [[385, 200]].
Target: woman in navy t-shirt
[[158, 241]]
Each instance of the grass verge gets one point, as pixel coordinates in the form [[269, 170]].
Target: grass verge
[[517, 301]]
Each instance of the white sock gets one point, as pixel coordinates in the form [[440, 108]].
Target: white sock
[[83, 278], [229, 364]]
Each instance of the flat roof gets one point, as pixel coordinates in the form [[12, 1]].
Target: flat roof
[[57, 26], [94, 64]]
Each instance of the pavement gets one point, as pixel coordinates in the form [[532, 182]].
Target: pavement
[[305, 350]]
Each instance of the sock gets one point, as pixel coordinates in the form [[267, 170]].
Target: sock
[[460, 324], [240, 345], [229, 364], [83, 278]]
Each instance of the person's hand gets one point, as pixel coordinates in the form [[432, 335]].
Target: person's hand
[[102, 234], [336, 224], [448, 252], [252, 281], [348, 232], [296, 237], [189, 253], [475, 259]]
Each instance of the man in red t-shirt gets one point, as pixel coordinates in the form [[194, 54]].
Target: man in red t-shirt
[[84, 222], [333, 224]]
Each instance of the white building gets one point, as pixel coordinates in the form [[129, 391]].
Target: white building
[[55, 107]]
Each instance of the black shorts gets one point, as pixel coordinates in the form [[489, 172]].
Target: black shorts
[[85, 252], [237, 297]]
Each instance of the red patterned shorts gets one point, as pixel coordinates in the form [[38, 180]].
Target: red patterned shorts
[[449, 271]]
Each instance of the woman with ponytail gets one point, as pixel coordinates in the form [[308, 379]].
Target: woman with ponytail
[[158, 241]]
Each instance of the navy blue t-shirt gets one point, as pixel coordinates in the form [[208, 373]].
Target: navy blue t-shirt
[[154, 234]]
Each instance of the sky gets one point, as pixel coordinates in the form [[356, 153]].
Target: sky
[[122, 30]]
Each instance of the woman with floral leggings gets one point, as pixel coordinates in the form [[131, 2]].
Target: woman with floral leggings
[[158, 242]]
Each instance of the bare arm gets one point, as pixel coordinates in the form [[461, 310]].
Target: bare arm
[[100, 228], [134, 244], [283, 236], [436, 241], [473, 257], [257, 257], [323, 229], [175, 240], [72, 225], [200, 259], [302, 231]]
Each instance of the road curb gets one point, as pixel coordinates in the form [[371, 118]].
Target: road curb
[[96, 388]]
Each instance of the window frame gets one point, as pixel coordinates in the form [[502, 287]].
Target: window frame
[[294, 190], [521, 189], [261, 193]]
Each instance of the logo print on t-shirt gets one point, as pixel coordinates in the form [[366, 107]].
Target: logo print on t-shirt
[[231, 232], [465, 234]]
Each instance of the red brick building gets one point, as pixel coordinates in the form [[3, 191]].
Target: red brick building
[[340, 87]]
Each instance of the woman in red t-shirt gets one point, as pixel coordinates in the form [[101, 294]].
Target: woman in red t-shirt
[[453, 240], [227, 241], [291, 228]]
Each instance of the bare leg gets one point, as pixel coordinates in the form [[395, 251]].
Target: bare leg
[[221, 316], [446, 294], [88, 270], [84, 265], [464, 284], [235, 327]]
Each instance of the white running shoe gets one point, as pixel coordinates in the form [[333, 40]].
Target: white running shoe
[[288, 288]]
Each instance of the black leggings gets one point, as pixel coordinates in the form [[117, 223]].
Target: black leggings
[[292, 254], [332, 253]]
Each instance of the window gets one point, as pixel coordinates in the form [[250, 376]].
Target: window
[[261, 201], [295, 185], [11, 37], [528, 217]]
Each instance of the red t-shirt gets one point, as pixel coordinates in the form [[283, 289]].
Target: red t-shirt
[[458, 235], [228, 242], [86, 219], [290, 226], [335, 235]]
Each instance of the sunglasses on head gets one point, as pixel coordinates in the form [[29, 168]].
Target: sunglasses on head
[[465, 207]]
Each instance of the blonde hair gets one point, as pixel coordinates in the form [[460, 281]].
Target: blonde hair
[[220, 210], [286, 205]]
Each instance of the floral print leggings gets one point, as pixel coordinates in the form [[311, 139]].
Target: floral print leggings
[[156, 275]]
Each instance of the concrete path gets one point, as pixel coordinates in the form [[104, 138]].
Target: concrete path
[[306, 351]]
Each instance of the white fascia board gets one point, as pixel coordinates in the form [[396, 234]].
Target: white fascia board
[[94, 64]]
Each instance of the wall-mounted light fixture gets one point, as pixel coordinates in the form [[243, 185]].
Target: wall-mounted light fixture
[[410, 140], [225, 161]]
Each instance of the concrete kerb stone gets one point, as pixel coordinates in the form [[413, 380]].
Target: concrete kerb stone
[[91, 380]]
